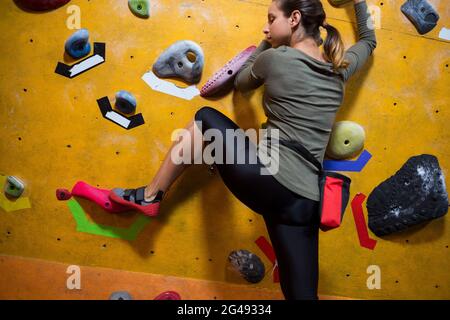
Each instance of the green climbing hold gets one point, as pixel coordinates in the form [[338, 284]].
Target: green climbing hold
[[347, 140], [140, 8]]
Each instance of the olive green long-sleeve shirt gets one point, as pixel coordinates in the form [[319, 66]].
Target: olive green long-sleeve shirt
[[301, 98]]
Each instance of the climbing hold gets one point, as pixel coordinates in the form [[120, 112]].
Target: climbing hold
[[346, 140], [71, 71], [225, 76], [120, 295], [63, 194], [77, 46], [248, 264], [176, 62], [168, 295], [415, 194], [99, 196], [41, 5], [338, 3], [14, 187], [422, 15], [140, 8], [123, 121], [125, 102]]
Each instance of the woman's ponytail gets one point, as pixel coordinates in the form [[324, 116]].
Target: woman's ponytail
[[334, 47]]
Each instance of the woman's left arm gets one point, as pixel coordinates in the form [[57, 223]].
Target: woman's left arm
[[246, 78]]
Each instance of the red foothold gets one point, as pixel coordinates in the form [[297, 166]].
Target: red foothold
[[63, 194], [168, 295]]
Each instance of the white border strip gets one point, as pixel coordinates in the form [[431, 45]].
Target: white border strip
[[169, 88]]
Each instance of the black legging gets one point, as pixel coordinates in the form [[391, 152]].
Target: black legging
[[291, 220]]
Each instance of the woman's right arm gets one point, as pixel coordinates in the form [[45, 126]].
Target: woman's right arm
[[361, 50], [246, 79]]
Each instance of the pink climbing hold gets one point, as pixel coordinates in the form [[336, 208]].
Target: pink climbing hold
[[168, 295], [41, 5], [99, 196], [63, 194], [221, 77]]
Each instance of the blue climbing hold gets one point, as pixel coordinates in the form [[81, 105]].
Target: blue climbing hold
[[125, 102], [120, 295], [77, 46]]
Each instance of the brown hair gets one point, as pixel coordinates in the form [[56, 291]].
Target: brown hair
[[313, 16]]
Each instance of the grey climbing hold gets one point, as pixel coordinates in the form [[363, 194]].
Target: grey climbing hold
[[14, 187], [120, 295], [78, 46], [125, 102], [422, 15], [176, 62], [415, 194], [141, 8], [248, 264], [338, 3]]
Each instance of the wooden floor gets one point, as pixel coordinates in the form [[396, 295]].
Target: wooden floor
[[25, 278]]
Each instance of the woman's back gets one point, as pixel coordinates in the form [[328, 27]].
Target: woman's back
[[302, 96]]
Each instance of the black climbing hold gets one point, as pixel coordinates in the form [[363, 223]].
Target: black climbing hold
[[248, 264], [422, 15], [415, 194]]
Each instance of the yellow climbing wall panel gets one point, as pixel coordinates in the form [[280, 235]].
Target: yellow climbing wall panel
[[52, 135]]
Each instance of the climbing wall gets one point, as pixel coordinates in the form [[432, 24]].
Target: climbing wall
[[53, 134]]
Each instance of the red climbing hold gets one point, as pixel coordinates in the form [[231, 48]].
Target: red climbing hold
[[99, 196], [41, 5], [63, 194], [168, 295]]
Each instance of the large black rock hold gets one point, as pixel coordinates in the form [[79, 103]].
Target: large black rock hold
[[415, 194], [248, 264]]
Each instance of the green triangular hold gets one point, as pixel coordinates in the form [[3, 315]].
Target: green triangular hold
[[140, 7]]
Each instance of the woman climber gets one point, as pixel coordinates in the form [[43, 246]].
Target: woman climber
[[304, 88]]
